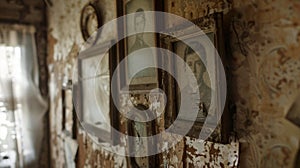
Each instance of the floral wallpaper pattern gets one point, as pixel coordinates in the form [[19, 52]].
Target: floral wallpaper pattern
[[263, 42]]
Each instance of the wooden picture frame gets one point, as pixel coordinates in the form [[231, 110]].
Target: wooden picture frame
[[212, 27], [140, 84], [93, 115], [90, 22], [149, 78], [139, 145]]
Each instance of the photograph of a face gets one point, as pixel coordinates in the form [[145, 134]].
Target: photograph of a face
[[200, 72], [137, 45]]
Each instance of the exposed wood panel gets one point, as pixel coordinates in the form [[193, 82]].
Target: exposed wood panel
[[6, 5], [29, 12], [9, 14], [35, 2]]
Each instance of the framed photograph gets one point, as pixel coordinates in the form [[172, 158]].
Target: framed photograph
[[136, 46], [90, 22], [199, 71], [139, 145], [97, 110], [208, 105]]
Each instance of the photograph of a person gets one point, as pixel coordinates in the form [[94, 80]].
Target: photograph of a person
[[137, 45], [199, 72], [139, 25]]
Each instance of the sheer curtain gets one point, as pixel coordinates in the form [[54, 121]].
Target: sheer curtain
[[19, 88]]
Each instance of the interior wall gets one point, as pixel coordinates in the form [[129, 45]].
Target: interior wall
[[262, 47], [265, 45], [64, 41]]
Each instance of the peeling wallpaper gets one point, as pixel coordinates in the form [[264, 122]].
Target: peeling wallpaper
[[263, 41], [64, 41], [265, 66]]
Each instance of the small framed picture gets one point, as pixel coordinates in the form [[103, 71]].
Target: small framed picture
[[97, 110], [208, 43], [136, 46], [90, 22], [69, 120], [138, 145], [199, 70]]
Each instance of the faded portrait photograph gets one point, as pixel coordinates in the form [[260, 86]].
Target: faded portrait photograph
[[137, 44], [203, 87]]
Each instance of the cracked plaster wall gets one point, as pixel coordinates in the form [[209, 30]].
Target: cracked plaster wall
[[263, 40]]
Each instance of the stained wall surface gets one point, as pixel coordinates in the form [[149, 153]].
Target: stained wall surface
[[262, 39], [265, 67]]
